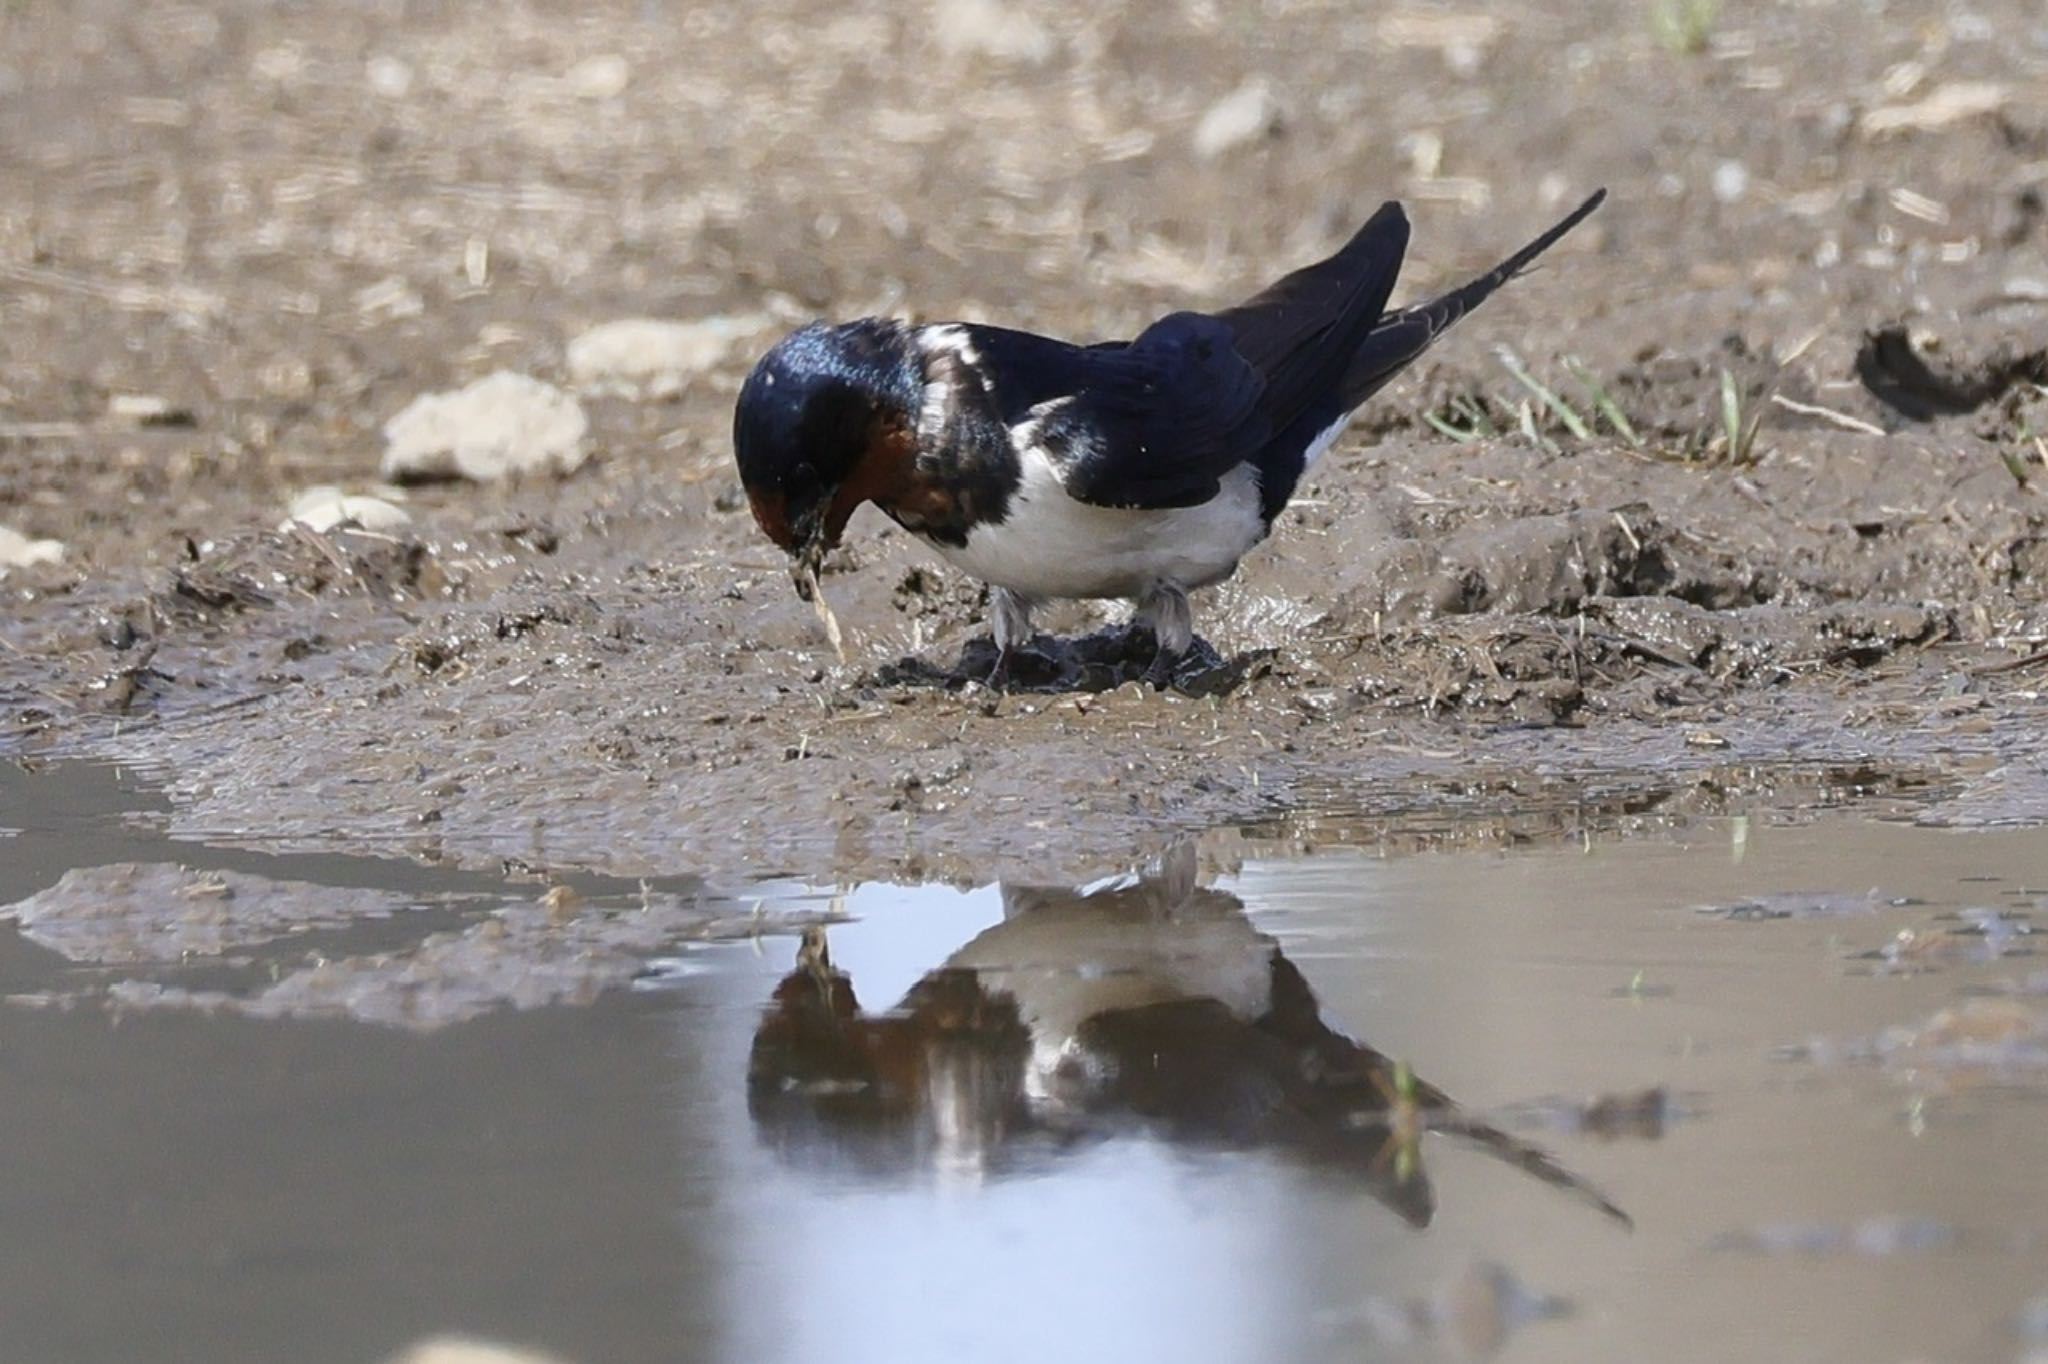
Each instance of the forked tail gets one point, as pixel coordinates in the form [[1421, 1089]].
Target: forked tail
[[1403, 336]]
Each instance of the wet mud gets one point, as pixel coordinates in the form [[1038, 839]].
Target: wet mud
[[1740, 490]]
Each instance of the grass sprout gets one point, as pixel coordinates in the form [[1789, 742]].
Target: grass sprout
[[1525, 421], [1684, 28], [1477, 424], [1603, 403], [1737, 433], [1559, 408]]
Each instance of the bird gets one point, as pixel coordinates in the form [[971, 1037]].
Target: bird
[[1141, 469], [1149, 1003]]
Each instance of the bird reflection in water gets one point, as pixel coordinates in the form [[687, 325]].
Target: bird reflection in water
[[1150, 1006]]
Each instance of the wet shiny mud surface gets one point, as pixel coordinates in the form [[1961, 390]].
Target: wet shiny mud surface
[[240, 238], [1755, 1086]]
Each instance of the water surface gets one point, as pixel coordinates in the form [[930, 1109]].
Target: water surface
[[1257, 1104]]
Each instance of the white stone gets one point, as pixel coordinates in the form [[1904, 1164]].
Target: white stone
[[501, 425], [639, 357], [140, 409], [1731, 181], [326, 508], [18, 551], [990, 28], [601, 77], [388, 76], [1246, 114]]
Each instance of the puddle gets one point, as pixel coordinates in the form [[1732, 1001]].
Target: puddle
[[1673, 1094]]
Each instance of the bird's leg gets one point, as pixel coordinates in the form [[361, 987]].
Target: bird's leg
[[1165, 608], [1012, 622]]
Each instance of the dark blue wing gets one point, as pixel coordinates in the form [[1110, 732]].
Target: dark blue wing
[[1196, 395], [1158, 422]]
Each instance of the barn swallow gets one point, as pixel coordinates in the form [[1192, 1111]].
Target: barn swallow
[[1150, 1004], [1139, 469]]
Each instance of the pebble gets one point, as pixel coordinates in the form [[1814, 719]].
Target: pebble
[[18, 551], [638, 357], [325, 507], [1246, 114], [1731, 181], [388, 76], [604, 76], [146, 409], [990, 28], [501, 425]]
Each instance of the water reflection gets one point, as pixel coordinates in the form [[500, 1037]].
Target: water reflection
[[1151, 1006], [1110, 1125]]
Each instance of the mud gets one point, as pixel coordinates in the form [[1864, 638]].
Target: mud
[[556, 949], [239, 238]]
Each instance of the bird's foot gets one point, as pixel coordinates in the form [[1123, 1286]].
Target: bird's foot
[[1160, 676], [1165, 610], [999, 676]]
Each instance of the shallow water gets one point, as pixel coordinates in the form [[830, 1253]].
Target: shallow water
[[1095, 1137]]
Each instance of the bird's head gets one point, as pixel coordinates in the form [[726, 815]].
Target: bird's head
[[823, 425]]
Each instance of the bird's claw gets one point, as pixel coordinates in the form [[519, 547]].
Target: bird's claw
[[1160, 676], [999, 676]]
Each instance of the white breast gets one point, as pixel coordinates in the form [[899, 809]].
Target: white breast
[[1066, 964], [1052, 546]]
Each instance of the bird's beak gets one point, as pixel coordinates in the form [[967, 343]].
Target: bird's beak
[[807, 537], [807, 556]]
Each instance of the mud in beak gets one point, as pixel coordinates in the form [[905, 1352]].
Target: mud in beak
[[806, 561], [808, 539]]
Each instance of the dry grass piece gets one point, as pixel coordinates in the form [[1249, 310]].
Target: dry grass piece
[[826, 617]]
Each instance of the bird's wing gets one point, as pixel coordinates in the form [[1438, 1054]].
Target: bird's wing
[[1155, 423], [1300, 332], [1158, 422], [1196, 395]]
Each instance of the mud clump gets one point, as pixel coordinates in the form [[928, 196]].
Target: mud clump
[[255, 571], [1537, 565], [125, 914], [1767, 643], [558, 949]]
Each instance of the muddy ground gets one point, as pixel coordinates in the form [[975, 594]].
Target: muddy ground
[[277, 225]]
